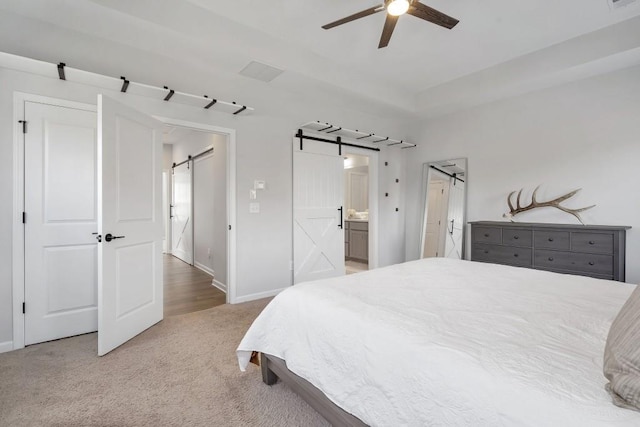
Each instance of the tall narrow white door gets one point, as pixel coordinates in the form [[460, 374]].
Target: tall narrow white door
[[61, 214], [433, 228], [318, 193], [130, 223], [182, 213], [455, 217]]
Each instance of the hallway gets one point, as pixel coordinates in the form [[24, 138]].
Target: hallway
[[187, 289]]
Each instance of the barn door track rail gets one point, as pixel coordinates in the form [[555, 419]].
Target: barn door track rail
[[355, 135], [121, 84]]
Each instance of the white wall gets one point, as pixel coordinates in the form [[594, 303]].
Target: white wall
[[580, 135], [264, 151]]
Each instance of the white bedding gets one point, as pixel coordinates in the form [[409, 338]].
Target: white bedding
[[441, 342]]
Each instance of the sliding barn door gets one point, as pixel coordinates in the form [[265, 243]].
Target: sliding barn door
[[181, 213], [318, 194], [130, 220]]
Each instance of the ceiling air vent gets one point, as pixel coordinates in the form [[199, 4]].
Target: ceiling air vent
[[616, 4], [259, 71]]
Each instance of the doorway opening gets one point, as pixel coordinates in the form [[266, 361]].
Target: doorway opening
[[66, 284], [195, 217], [324, 229], [356, 213]]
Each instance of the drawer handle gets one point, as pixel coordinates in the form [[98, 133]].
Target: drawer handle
[[486, 234], [551, 239], [591, 263], [515, 255], [591, 242], [550, 258], [516, 237]]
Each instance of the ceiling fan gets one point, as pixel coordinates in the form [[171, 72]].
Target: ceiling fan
[[396, 8]]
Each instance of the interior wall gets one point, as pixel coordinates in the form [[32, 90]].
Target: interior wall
[[167, 156], [580, 135], [264, 151]]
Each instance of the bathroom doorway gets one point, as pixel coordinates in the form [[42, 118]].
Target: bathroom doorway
[[356, 202]]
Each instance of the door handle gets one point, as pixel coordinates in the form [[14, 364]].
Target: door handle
[[109, 237], [340, 209]]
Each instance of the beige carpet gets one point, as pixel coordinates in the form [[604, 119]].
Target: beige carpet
[[181, 372]]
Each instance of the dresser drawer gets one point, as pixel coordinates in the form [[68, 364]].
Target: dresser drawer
[[551, 240], [487, 235], [502, 254], [595, 243], [572, 261], [516, 237], [360, 226]]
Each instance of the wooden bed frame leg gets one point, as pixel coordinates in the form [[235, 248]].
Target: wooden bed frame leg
[[268, 377]]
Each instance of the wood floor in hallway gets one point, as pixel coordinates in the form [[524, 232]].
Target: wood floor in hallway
[[188, 289]]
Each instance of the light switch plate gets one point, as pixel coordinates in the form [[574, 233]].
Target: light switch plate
[[252, 194], [254, 207], [259, 184]]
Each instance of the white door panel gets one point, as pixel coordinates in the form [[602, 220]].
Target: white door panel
[[453, 245], [182, 218], [129, 208], [61, 209], [433, 232], [318, 192]]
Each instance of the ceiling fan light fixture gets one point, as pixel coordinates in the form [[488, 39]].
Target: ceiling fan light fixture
[[398, 7]]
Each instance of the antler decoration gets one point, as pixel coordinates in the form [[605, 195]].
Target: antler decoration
[[555, 203]]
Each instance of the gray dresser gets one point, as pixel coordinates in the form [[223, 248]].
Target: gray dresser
[[591, 250]]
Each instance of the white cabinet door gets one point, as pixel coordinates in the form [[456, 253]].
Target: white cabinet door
[[130, 294], [61, 215], [318, 192]]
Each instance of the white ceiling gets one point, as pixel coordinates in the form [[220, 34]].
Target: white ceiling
[[500, 48]]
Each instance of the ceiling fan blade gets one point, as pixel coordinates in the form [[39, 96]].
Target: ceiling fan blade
[[387, 31], [427, 13], [355, 16]]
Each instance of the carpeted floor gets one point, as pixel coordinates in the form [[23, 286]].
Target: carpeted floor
[[181, 372]]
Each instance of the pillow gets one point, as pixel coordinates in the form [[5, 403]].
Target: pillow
[[622, 355]]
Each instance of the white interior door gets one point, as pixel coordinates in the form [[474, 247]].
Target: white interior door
[[318, 192], [130, 297], [182, 210], [435, 196], [61, 214], [455, 214]]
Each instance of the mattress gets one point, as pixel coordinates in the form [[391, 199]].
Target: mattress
[[443, 342]]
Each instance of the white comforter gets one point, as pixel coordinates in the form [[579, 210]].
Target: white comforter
[[440, 342]]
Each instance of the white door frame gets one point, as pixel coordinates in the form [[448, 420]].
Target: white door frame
[[18, 244], [374, 168], [374, 157], [231, 194]]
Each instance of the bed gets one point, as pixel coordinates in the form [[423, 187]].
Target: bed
[[445, 342]]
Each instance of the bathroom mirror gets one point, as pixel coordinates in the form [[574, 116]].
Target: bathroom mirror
[[444, 216]]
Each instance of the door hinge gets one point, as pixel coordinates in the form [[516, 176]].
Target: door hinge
[[24, 217], [24, 308], [24, 125], [442, 191], [229, 227]]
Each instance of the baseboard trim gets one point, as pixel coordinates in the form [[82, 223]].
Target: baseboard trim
[[217, 284], [204, 268], [259, 295], [6, 346]]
